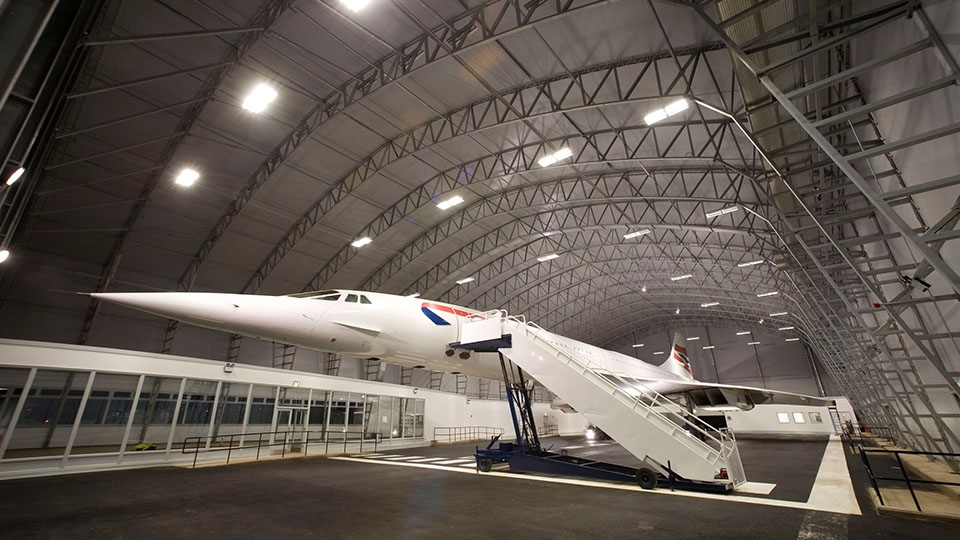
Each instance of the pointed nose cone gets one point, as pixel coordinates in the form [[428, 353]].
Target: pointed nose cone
[[204, 309]]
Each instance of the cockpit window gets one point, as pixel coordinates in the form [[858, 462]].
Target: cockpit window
[[325, 295], [352, 298], [364, 300]]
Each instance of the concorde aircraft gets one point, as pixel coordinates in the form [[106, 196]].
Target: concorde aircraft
[[414, 332]]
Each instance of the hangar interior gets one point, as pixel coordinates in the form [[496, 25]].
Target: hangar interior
[[774, 179]]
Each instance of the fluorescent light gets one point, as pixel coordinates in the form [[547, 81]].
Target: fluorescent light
[[695, 338], [792, 339], [258, 99], [548, 160], [779, 314], [708, 347], [361, 242], [743, 333], [355, 5], [546, 258], [710, 304], [187, 177], [751, 263], [464, 280], [722, 212], [635, 345], [643, 289], [677, 311], [655, 117], [15, 176], [677, 106], [635, 234], [658, 352], [785, 328], [4, 255], [772, 293], [450, 203], [414, 295], [753, 343], [678, 278]]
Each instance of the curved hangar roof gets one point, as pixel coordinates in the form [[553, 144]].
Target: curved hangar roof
[[617, 166]]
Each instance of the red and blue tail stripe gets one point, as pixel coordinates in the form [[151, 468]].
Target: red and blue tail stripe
[[431, 311]]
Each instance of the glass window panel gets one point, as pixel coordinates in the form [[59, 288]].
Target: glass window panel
[[815, 418], [46, 420], [799, 418], [261, 410], [783, 418]]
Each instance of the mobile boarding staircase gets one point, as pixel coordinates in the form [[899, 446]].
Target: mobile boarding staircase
[[655, 429]]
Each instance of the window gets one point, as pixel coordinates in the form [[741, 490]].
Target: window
[[799, 418], [783, 418], [364, 300], [352, 298], [332, 296], [815, 418]]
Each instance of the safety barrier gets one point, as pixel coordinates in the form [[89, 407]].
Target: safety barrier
[[905, 478], [465, 433], [296, 440]]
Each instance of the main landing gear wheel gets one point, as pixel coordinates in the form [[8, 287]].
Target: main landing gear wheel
[[646, 478], [485, 465]]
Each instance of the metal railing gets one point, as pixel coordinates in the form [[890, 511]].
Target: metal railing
[[298, 441], [465, 433], [867, 434], [905, 478]]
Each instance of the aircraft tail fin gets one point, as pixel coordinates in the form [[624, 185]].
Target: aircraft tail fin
[[678, 363]]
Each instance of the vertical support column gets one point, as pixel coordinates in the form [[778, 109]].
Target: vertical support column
[[213, 414], [246, 414], [176, 416], [8, 436], [133, 415], [76, 421]]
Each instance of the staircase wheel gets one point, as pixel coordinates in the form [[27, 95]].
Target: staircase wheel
[[485, 465], [646, 478]]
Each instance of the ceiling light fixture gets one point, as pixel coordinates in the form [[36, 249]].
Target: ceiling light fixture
[[753, 343], [677, 311], [635, 345], [361, 242], [710, 304], [678, 278], [546, 258], [15, 176], [464, 280], [187, 177], [4, 255], [258, 99], [785, 328], [658, 352], [792, 339], [414, 295], [743, 333], [355, 5], [694, 338], [643, 289], [772, 293], [635, 234], [708, 347], [722, 212], [779, 314], [450, 203], [550, 159], [751, 263], [659, 114]]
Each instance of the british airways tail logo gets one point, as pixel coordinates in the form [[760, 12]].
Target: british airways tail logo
[[433, 311], [680, 353]]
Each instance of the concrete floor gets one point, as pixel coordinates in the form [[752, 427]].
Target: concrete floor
[[330, 498]]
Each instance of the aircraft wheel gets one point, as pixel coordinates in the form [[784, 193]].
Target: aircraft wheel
[[646, 478], [485, 465]]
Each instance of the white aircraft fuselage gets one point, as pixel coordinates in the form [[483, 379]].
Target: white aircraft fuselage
[[408, 331]]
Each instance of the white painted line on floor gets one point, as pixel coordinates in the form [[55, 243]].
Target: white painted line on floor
[[757, 488], [368, 455], [468, 465], [383, 456], [402, 458], [426, 459], [467, 457], [455, 461], [832, 490], [603, 485]]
